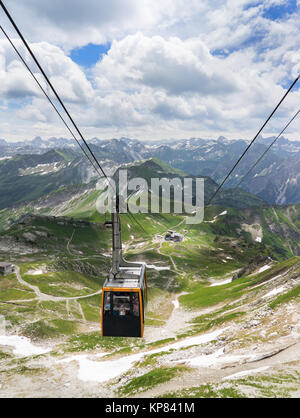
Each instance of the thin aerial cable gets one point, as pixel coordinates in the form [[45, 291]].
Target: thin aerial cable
[[130, 215], [51, 85], [253, 140], [47, 96], [269, 147]]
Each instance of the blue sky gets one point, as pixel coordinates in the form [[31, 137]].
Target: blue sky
[[275, 11], [89, 55], [281, 11]]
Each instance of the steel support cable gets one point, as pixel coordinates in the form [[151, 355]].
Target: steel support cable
[[253, 140], [269, 147], [47, 96]]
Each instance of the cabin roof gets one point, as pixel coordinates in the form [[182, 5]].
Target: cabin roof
[[134, 282], [125, 283]]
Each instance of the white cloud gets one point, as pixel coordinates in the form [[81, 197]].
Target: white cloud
[[176, 66], [14, 82], [17, 83], [180, 80], [71, 23], [161, 76], [31, 112]]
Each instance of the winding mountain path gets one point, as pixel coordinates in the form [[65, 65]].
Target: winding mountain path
[[44, 296], [69, 242], [166, 255]]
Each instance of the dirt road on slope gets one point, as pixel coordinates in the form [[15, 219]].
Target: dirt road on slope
[[44, 297]]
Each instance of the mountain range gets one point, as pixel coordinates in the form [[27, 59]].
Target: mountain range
[[275, 179]]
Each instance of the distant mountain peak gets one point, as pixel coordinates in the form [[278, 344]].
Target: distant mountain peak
[[222, 139], [37, 140]]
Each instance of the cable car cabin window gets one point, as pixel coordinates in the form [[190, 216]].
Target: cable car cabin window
[[121, 304], [144, 294], [107, 303], [122, 313], [135, 304]]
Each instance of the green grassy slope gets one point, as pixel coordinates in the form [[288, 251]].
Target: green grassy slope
[[22, 178]]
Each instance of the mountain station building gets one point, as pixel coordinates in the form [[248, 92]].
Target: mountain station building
[[173, 236], [6, 268]]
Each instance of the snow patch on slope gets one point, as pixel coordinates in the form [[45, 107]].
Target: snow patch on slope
[[22, 345], [102, 371]]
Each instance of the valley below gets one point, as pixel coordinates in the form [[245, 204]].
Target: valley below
[[206, 335], [223, 310]]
